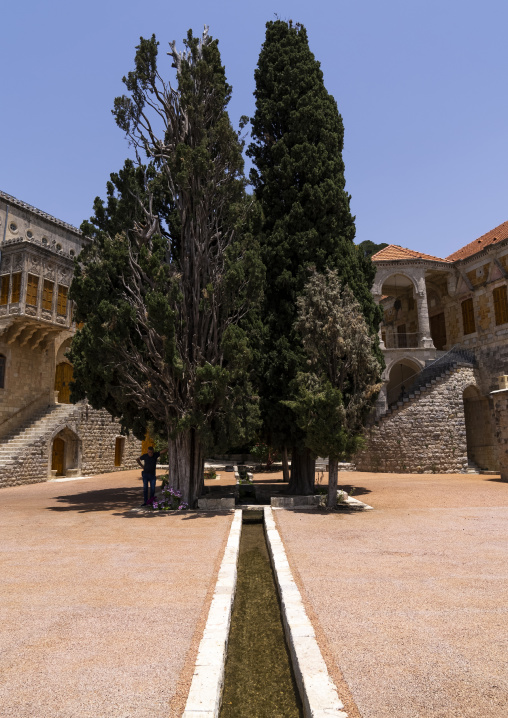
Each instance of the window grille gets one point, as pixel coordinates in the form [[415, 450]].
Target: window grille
[[47, 295], [4, 289], [62, 300], [32, 286], [16, 288]]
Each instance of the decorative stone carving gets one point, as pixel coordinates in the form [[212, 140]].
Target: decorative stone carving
[[64, 276], [49, 270], [34, 265]]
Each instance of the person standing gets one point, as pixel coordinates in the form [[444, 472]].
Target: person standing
[[148, 472]]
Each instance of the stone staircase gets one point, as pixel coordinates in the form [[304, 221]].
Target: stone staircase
[[431, 374], [29, 442]]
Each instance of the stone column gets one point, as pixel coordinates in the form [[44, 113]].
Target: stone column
[[377, 299], [500, 403], [425, 339]]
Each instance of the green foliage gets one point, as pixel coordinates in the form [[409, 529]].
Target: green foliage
[[265, 454], [173, 275], [333, 397], [299, 181], [368, 248]]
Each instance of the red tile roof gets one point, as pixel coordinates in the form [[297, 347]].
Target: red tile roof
[[394, 251], [492, 237]]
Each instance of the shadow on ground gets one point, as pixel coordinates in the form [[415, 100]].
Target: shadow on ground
[[121, 501]]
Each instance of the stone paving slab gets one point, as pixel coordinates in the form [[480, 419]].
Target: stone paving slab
[[99, 605], [409, 600]]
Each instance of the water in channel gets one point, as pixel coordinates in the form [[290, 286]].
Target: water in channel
[[258, 678]]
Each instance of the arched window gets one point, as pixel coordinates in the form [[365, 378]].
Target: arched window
[[2, 371]]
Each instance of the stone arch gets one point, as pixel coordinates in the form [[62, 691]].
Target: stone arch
[[62, 349], [65, 452], [394, 275], [63, 379], [400, 376], [480, 439]]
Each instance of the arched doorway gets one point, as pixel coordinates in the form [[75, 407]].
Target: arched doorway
[[58, 456], [402, 376], [481, 448], [65, 453], [63, 379]]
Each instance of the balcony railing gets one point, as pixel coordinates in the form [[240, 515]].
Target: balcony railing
[[402, 340]]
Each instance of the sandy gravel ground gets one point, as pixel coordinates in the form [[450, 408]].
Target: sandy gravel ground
[[99, 606], [411, 600]]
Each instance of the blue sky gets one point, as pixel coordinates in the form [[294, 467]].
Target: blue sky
[[421, 86]]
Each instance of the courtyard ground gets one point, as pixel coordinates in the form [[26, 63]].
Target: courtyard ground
[[101, 608], [409, 601]]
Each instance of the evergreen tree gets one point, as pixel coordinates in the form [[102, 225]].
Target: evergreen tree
[[369, 248], [333, 398], [174, 268], [299, 181]]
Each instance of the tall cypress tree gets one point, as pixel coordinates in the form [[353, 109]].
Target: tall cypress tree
[[174, 272], [298, 178]]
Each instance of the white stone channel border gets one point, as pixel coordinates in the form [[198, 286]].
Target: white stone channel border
[[317, 690], [205, 695]]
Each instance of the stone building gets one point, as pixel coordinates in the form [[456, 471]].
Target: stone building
[[444, 337], [41, 433]]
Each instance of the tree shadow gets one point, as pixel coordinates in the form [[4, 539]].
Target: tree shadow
[[354, 491], [125, 497], [122, 501]]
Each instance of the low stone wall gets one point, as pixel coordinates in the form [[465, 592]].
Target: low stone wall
[[426, 435]]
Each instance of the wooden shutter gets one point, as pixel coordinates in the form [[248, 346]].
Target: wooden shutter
[[47, 295], [500, 305], [16, 288], [4, 289], [468, 316], [32, 286], [62, 300], [119, 445]]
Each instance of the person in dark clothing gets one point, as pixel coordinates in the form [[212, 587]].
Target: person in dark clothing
[[148, 472]]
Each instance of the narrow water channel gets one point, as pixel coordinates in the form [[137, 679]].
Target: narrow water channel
[[258, 678]]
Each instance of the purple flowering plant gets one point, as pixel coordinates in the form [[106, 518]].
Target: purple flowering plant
[[169, 499]]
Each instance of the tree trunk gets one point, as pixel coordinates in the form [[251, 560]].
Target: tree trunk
[[333, 471], [303, 469], [186, 466], [285, 465]]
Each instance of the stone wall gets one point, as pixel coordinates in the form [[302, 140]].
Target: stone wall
[[95, 433], [500, 410], [29, 381], [98, 433], [426, 435]]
